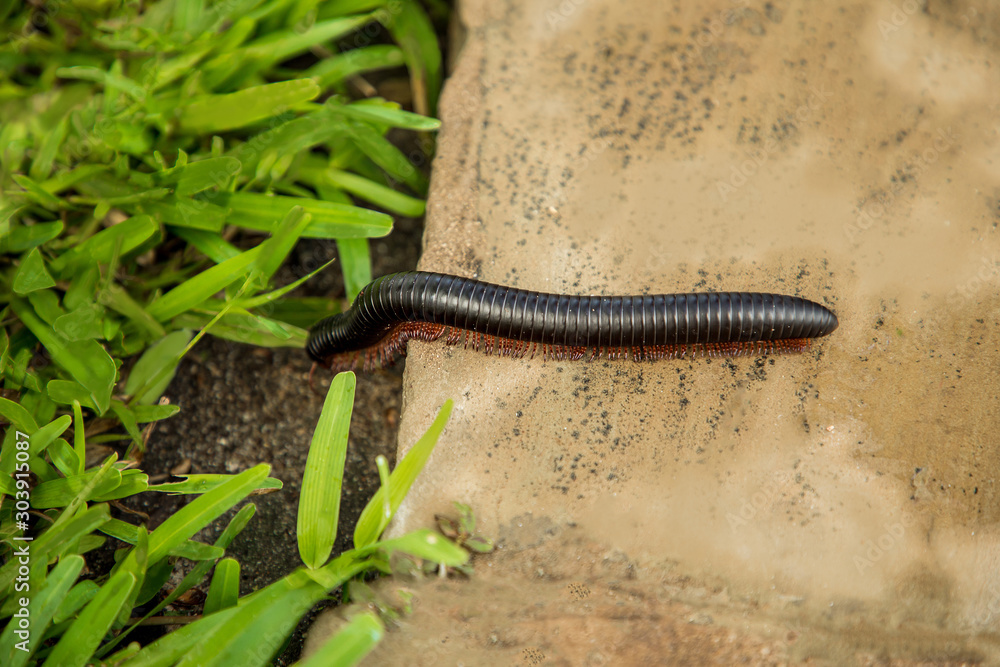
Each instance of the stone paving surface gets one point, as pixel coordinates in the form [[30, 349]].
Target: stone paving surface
[[846, 152]]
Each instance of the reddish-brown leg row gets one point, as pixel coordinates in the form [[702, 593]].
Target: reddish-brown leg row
[[393, 345]]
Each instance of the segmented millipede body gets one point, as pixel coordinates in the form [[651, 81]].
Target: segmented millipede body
[[515, 322]]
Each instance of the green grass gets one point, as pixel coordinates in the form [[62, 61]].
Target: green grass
[[73, 623], [158, 163], [131, 161]]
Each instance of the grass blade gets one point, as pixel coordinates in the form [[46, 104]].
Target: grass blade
[[271, 612], [250, 329], [80, 641], [189, 294], [154, 413], [57, 537], [195, 576], [19, 417], [32, 274], [190, 549], [224, 591], [193, 484], [41, 166], [40, 610], [184, 212], [284, 44], [262, 212], [60, 491], [79, 437], [210, 244], [388, 113], [273, 297], [128, 420], [373, 520], [351, 644], [378, 194], [425, 544], [294, 136], [23, 237], [413, 31], [122, 239], [167, 650], [108, 79], [355, 264], [216, 113], [78, 596], [269, 615], [162, 355], [35, 192], [381, 151], [118, 300], [85, 360], [319, 503], [356, 61], [44, 436], [277, 247], [197, 514]]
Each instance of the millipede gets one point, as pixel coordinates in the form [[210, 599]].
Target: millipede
[[514, 322]]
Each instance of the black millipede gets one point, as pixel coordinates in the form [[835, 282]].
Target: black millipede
[[516, 322]]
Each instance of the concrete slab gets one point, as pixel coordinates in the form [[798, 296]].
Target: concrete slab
[[844, 152]]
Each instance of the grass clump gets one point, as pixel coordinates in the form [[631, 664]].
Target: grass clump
[[73, 622], [158, 163]]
